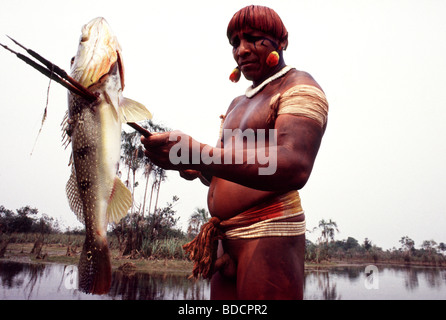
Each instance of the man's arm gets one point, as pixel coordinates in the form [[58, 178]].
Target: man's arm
[[298, 141]]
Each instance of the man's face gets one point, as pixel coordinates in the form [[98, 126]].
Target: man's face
[[250, 49]]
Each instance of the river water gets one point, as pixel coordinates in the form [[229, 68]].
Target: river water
[[23, 281]]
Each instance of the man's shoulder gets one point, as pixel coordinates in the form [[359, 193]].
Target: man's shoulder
[[298, 77], [235, 102]]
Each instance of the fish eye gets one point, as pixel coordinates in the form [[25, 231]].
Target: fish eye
[[85, 37], [72, 61]]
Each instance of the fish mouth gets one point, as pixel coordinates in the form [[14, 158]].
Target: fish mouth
[[93, 26], [98, 50]]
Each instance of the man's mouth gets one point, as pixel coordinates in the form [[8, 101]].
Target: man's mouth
[[246, 64]]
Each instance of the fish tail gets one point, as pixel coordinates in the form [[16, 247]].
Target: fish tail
[[95, 267]]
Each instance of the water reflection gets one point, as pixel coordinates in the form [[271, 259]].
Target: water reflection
[[320, 285], [52, 281], [387, 282], [143, 286], [11, 276]]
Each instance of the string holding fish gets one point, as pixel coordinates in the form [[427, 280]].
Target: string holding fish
[[45, 112]]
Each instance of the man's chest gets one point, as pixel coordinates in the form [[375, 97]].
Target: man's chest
[[249, 114]]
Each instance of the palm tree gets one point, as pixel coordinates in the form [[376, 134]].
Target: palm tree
[[133, 158], [160, 176], [328, 229], [147, 171], [158, 173], [199, 217]]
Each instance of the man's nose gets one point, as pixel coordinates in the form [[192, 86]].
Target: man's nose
[[244, 49]]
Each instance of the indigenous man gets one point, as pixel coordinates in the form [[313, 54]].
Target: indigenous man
[[253, 246]]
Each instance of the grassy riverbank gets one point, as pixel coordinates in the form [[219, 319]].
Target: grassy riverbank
[[167, 256], [54, 253]]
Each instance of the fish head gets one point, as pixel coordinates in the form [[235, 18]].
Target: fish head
[[97, 53]]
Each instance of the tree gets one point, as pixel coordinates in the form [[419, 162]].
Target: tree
[[160, 176], [351, 243], [147, 171], [46, 225], [129, 232], [162, 221], [408, 247], [429, 246], [24, 220], [367, 244], [132, 156], [407, 244], [199, 217], [327, 229], [442, 247], [6, 218]]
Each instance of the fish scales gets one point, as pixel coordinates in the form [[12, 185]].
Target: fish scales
[[95, 256], [94, 191]]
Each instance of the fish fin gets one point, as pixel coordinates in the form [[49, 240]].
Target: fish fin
[[120, 202], [132, 111], [66, 139], [71, 161], [73, 195]]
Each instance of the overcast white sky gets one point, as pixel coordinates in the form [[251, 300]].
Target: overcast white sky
[[380, 172]]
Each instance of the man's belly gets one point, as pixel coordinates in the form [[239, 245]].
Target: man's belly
[[227, 199]]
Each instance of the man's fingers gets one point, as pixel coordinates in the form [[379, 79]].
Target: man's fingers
[[155, 140]]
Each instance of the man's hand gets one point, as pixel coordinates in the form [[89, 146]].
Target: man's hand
[[190, 174], [170, 150], [194, 174]]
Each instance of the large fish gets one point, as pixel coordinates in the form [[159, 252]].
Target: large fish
[[94, 191]]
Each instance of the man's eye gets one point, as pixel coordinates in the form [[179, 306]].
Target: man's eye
[[252, 39]]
